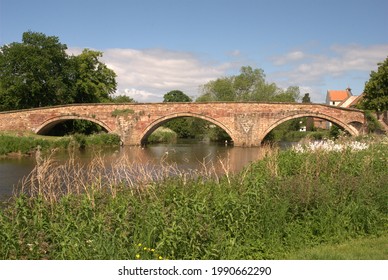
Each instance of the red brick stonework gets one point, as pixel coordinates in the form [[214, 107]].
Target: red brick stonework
[[247, 123]]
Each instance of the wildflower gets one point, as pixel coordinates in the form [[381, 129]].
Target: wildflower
[[160, 258], [139, 244], [137, 256]]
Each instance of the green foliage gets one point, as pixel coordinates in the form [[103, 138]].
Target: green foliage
[[31, 73], [183, 127], [102, 139], [373, 123], [92, 80], [162, 135], [285, 203], [75, 126], [376, 89], [38, 72], [23, 145], [176, 96], [335, 131], [306, 98], [28, 144], [121, 99], [249, 85]]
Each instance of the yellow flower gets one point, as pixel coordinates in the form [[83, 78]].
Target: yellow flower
[[139, 244], [145, 248], [160, 258], [137, 256]]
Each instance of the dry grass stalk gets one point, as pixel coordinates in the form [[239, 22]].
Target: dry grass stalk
[[51, 179]]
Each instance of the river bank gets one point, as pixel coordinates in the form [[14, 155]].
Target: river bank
[[288, 202], [18, 145]]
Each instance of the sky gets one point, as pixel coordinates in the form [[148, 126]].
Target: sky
[[155, 46]]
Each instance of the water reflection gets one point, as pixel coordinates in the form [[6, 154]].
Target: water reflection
[[186, 156]]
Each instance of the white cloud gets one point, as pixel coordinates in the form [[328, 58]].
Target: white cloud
[[140, 95], [350, 63], [146, 75], [288, 58]]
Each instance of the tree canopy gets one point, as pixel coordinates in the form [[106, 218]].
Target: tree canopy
[[38, 72], [376, 89], [176, 96], [249, 85], [306, 98]]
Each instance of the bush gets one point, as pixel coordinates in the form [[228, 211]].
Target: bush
[[163, 135]]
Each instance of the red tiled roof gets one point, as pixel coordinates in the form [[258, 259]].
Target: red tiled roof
[[338, 95]]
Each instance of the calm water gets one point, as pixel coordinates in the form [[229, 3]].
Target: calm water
[[186, 155]]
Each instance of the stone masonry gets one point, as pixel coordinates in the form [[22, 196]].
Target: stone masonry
[[247, 123]]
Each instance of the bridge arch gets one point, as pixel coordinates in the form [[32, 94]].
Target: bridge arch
[[155, 124], [50, 123], [351, 128]]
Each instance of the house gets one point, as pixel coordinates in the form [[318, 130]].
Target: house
[[341, 98], [337, 97]]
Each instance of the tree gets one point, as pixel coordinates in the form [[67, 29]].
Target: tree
[[182, 126], [376, 89], [306, 98], [249, 85], [38, 72], [122, 99], [176, 96], [92, 80], [31, 73]]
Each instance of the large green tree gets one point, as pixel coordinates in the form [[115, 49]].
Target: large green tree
[[92, 80], [249, 85], [38, 72], [376, 89]]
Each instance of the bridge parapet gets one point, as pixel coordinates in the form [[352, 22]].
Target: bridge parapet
[[246, 122]]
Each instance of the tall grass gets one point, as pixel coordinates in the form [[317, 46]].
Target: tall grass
[[287, 202], [28, 144]]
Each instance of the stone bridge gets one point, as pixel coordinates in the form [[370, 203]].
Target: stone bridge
[[247, 123]]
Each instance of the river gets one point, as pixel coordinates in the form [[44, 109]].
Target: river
[[186, 155]]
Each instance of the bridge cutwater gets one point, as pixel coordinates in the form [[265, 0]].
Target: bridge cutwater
[[247, 123]]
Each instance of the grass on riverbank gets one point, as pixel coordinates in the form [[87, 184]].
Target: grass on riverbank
[[364, 248], [11, 144], [286, 203], [163, 135]]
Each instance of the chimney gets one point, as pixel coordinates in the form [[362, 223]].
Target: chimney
[[349, 90]]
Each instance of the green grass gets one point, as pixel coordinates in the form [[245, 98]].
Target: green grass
[[28, 143], [367, 248], [288, 205]]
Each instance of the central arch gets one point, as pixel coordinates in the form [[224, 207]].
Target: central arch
[[349, 128], [155, 124]]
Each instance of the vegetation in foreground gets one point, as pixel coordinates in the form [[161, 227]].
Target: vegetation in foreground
[[291, 201]]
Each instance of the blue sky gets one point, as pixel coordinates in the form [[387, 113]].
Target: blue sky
[[156, 46]]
